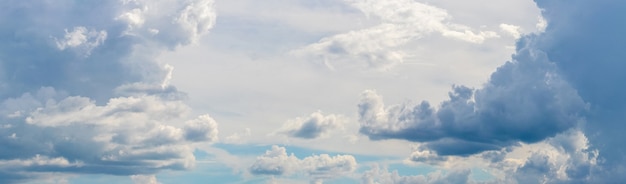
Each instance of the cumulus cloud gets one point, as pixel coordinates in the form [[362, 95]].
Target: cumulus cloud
[[128, 135], [401, 22], [525, 100], [315, 126], [203, 128], [559, 81], [426, 156], [377, 175], [169, 22], [319, 167], [592, 61], [106, 106], [565, 158]]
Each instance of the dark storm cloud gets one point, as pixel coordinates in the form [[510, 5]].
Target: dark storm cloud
[[525, 100]]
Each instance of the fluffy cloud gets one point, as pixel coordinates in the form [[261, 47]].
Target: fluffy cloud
[[82, 39], [565, 158], [128, 135], [203, 128], [315, 126], [318, 167], [401, 22], [169, 22], [378, 175], [93, 99]]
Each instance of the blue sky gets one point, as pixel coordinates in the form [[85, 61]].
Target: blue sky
[[301, 91]]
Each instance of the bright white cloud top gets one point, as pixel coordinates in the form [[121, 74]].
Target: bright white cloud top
[[284, 91]]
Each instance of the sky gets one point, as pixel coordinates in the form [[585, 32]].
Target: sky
[[312, 91]]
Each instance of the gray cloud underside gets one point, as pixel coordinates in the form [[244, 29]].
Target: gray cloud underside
[[565, 77], [525, 100]]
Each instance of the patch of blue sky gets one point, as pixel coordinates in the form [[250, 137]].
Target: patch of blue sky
[[211, 172]]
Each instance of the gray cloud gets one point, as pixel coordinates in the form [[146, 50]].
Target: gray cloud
[[525, 100], [560, 79], [591, 59]]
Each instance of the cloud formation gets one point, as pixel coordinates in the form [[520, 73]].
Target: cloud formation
[[128, 135], [525, 100], [591, 59], [401, 22], [319, 167], [92, 99], [315, 126], [559, 81], [377, 175]]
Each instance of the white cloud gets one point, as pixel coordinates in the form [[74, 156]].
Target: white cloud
[[377, 175], [137, 131], [171, 23], [144, 179], [275, 162], [512, 30], [318, 167], [82, 40], [315, 126], [203, 128], [402, 21]]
